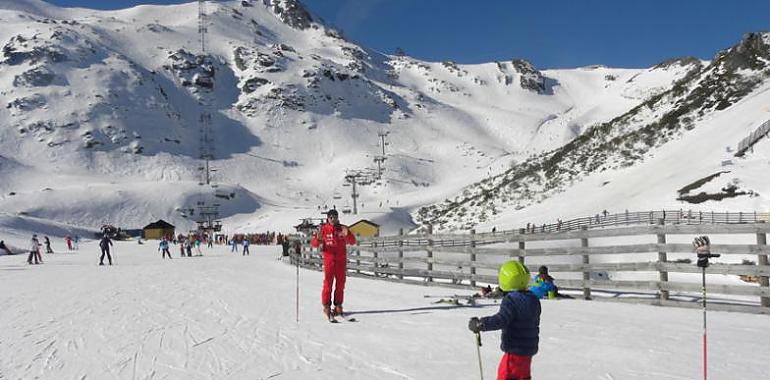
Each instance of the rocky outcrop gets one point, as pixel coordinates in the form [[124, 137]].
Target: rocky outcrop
[[27, 103], [251, 84], [292, 13], [192, 70], [35, 77], [33, 51], [531, 79]]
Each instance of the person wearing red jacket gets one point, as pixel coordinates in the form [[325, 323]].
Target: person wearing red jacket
[[333, 238]]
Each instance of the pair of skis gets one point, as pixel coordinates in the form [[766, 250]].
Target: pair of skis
[[455, 299], [340, 318]]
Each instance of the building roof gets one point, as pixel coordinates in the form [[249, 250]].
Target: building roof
[[367, 222], [160, 224]]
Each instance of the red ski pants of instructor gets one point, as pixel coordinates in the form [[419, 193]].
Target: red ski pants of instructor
[[335, 267]]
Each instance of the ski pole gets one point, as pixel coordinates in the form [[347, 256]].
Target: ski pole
[[702, 246], [705, 341], [297, 296], [478, 354]]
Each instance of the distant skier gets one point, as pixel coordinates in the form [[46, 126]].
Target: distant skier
[[246, 247], [47, 245], [5, 248], [188, 247], [163, 247], [333, 237], [519, 318], [68, 240], [34, 251], [77, 242], [285, 244], [105, 244], [198, 247]]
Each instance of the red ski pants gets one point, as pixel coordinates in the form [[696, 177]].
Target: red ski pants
[[514, 367], [335, 267]]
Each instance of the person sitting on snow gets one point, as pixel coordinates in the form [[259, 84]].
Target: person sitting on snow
[[543, 285]]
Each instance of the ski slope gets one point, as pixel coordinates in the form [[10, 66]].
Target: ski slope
[[226, 316]]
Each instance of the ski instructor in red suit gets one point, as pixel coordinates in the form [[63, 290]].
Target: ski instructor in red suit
[[333, 237]]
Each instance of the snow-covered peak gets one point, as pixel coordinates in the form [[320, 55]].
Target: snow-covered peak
[[116, 98]]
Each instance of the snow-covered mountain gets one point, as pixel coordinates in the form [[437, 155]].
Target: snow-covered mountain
[[684, 137], [102, 113]]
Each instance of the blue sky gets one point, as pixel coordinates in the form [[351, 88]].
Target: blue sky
[[548, 33]]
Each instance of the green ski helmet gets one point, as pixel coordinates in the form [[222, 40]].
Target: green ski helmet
[[513, 276]]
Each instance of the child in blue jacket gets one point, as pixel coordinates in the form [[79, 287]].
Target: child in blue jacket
[[519, 318]]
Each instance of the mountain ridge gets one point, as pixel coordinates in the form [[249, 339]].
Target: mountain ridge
[[114, 98]]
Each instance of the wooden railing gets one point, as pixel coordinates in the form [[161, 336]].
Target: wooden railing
[[633, 264], [752, 139], [602, 220]]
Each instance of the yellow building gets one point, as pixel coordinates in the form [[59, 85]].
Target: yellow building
[[158, 229], [365, 228]]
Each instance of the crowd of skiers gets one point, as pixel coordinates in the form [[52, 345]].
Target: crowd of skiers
[[187, 244], [264, 238], [36, 246]]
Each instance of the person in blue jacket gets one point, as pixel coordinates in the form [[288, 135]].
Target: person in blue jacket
[[163, 247], [518, 318], [542, 284]]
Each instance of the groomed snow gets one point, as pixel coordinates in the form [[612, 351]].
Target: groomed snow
[[226, 316]]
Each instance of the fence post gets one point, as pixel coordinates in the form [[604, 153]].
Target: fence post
[[401, 254], [358, 255], [586, 268], [762, 260], [473, 258], [375, 263], [662, 259], [430, 254], [521, 246]]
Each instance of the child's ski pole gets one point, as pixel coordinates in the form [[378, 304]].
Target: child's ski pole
[[478, 353]]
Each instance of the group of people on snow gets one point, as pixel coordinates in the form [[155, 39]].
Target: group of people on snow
[[34, 249]]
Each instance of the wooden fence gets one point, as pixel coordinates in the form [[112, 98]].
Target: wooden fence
[[746, 144], [643, 264]]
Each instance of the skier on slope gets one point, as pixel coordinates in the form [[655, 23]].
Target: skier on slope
[[5, 248], [163, 247], [34, 251], [519, 318], [333, 237], [47, 245], [105, 244]]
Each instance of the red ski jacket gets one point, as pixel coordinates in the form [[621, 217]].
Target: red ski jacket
[[331, 239]]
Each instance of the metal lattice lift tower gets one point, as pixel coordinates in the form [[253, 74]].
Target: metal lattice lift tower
[[358, 177], [380, 159], [208, 212], [202, 22]]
